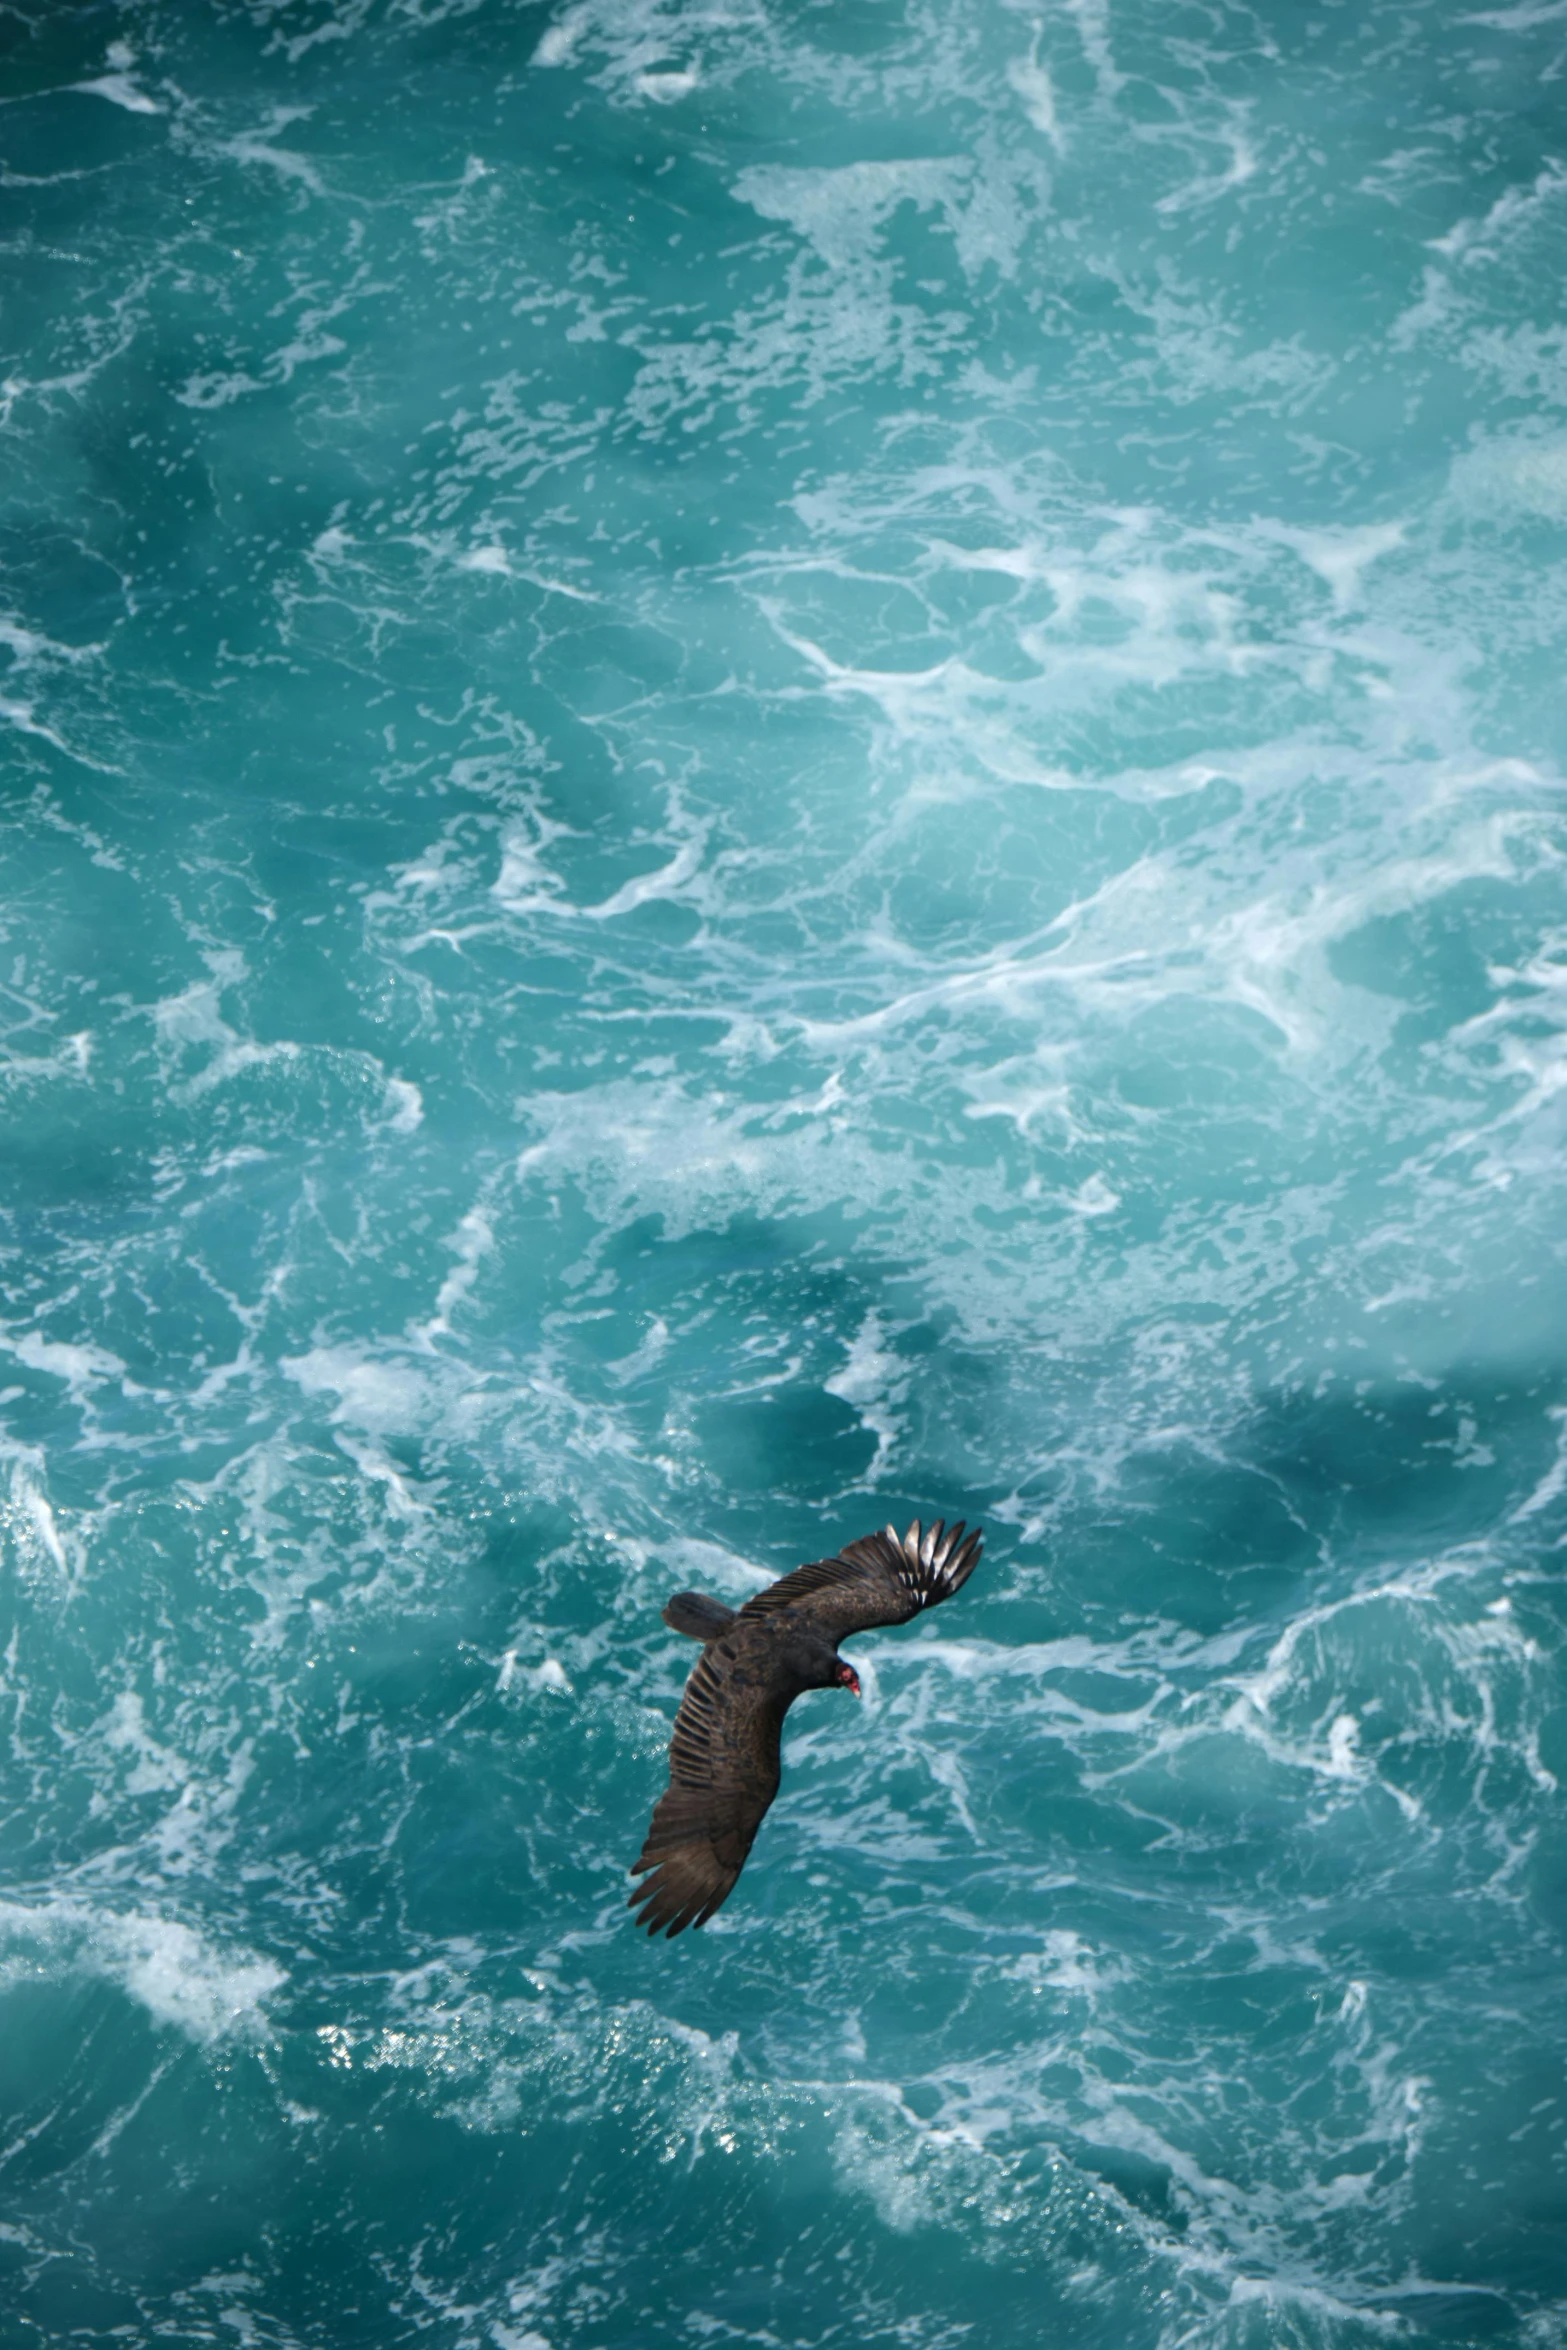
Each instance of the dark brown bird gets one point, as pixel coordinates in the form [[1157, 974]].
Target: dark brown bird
[[723, 1758]]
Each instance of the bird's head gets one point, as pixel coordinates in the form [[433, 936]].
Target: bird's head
[[813, 1659]]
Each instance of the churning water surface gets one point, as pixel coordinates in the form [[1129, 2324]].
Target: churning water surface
[[772, 763]]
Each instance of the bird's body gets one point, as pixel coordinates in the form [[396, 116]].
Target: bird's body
[[724, 1756]]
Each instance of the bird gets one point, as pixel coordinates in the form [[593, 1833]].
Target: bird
[[755, 1661]]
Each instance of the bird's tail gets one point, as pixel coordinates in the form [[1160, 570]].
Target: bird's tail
[[697, 1616]]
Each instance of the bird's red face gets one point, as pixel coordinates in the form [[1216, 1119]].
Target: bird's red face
[[848, 1678]]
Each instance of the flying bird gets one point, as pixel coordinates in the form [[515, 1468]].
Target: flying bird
[[755, 1661]]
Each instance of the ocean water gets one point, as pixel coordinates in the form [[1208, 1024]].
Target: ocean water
[[770, 764]]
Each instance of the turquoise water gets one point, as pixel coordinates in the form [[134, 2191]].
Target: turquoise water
[[773, 764]]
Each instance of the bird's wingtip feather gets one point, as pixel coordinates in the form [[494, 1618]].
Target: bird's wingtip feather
[[941, 1558]]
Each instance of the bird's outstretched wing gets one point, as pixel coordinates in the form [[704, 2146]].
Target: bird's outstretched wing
[[723, 1774], [877, 1580]]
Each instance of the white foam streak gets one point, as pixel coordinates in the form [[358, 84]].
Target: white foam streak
[[258, 148], [840, 209], [1553, 1484], [874, 1382], [1033, 84], [118, 85], [30, 1518], [183, 1979]]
